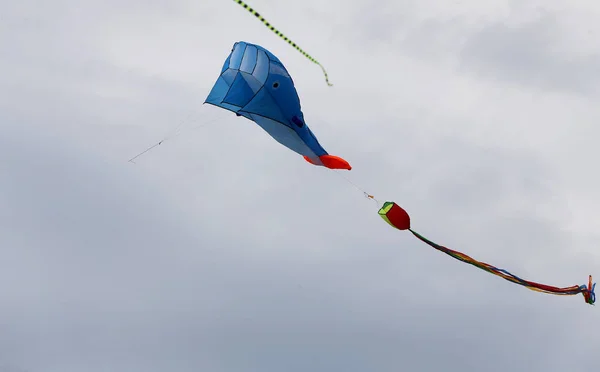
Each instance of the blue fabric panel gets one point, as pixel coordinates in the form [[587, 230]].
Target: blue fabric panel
[[272, 57], [284, 135], [237, 55], [239, 93], [284, 94], [227, 106], [261, 71], [218, 91], [229, 76], [263, 104], [254, 84], [249, 60], [246, 115], [311, 141], [276, 68]]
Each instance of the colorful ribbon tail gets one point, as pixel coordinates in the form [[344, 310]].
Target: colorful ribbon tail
[[588, 292]]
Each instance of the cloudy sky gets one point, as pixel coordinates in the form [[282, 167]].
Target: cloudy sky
[[223, 251]]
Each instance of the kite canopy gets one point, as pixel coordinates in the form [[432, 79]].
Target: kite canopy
[[255, 84]]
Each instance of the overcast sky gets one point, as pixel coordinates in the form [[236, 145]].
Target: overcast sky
[[221, 250]]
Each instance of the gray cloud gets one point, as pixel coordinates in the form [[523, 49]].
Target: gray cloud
[[530, 53], [223, 251], [524, 43]]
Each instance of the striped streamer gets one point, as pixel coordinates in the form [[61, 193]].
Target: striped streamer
[[587, 291], [281, 35]]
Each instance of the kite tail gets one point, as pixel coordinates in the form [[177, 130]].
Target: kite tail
[[281, 35], [322, 68], [586, 291]]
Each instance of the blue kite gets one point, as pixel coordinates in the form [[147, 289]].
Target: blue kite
[[255, 84]]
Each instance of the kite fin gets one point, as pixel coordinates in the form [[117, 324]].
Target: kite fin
[[331, 162]]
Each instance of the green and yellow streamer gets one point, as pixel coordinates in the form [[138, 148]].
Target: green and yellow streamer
[[281, 35]]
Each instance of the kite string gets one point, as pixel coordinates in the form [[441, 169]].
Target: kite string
[[366, 194], [167, 136], [281, 35], [175, 132]]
